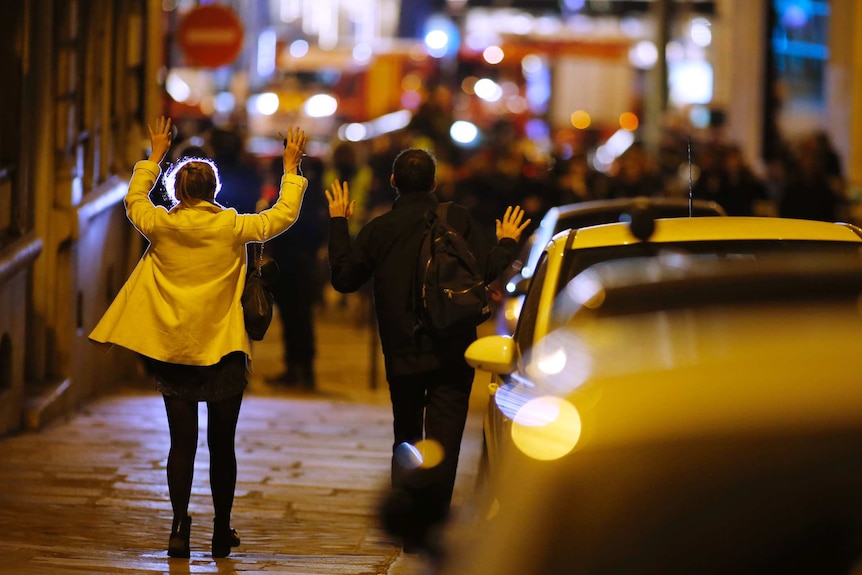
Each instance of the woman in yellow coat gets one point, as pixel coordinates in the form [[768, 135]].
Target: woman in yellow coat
[[180, 309]]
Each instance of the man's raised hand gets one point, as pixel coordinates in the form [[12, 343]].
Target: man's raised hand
[[511, 226], [340, 205]]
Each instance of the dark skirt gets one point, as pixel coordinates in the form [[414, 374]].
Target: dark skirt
[[201, 382]]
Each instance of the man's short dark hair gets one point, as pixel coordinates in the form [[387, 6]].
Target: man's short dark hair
[[414, 171]]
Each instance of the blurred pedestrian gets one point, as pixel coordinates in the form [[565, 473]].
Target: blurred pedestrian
[[297, 287], [433, 119], [344, 165], [241, 183], [813, 190], [578, 181], [429, 380], [739, 189], [709, 170], [180, 310], [636, 175]]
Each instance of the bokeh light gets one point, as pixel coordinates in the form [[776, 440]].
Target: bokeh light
[[629, 121], [643, 55], [362, 53], [425, 454], [411, 99], [517, 104], [441, 36], [493, 54], [224, 102], [468, 83], [298, 48], [532, 64], [355, 132], [407, 456], [585, 289], [701, 32], [546, 428], [320, 106], [265, 104], [552, 362], [431, 451], [581, 119], [411, 83], [464, 132], [177, 87], [691, 82], [436, 41], [488, 90]]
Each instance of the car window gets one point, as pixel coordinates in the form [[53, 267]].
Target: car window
[[576, 261], [526, 327]]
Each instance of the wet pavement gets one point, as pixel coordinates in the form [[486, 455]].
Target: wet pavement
[[88, 494]]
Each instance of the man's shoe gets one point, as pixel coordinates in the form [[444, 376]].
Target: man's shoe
[[298, 377], [280, 379], [413, 545], [308, 381]]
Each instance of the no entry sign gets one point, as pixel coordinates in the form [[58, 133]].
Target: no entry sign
[[210, 36]]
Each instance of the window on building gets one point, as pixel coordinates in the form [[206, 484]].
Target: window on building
[[13, 216], [800, 51]]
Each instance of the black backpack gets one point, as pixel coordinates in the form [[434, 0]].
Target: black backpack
[[452, 295]]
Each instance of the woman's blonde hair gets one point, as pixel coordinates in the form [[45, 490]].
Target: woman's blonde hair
[[191, 179]]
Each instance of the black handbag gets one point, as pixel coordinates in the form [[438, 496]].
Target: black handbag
[[257, 298]]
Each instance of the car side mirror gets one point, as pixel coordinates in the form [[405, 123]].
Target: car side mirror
[[494, 353]]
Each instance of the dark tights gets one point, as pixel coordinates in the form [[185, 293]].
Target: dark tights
[[222, 417]]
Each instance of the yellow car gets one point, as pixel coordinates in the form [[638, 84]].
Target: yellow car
[[690, 414], [509, 359]]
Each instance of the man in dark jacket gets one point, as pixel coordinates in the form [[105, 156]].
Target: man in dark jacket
[[429, 380]]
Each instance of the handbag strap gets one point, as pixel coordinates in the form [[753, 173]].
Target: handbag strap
[[257, 253]]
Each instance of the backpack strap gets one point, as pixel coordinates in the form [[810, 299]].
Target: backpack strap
[[443, 210]]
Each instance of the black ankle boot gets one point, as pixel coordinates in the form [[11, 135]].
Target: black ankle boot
[[178, 544], [223, 539]]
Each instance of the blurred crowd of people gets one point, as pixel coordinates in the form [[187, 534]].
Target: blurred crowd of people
[[806, 182]]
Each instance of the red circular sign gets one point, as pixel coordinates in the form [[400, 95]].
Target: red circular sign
[[210, 36]]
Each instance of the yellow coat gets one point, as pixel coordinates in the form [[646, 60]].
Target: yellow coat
[[182, 302]]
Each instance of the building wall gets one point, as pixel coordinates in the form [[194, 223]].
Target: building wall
[[86, 80], [844, 121], [741, 72], [15, 264]]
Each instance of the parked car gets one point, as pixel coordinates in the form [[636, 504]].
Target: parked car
[[509, 359], [691, 415], [581, 215]]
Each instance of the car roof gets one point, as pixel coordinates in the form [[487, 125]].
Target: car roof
[[660, 206], [597, 212], [718, 228]]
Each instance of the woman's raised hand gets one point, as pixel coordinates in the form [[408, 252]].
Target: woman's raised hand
[[294, 147], [160, 139]]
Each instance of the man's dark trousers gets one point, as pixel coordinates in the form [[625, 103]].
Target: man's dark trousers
[[432, 405]]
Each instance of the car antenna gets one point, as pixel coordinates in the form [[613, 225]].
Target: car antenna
[[690, 187]]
